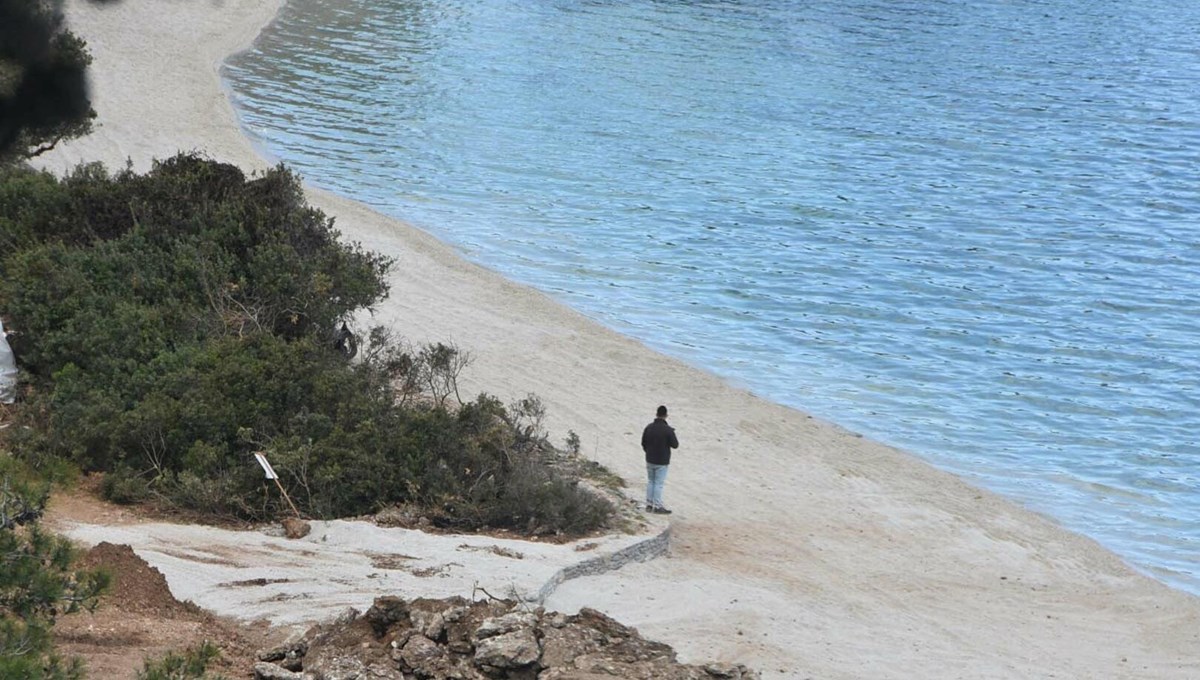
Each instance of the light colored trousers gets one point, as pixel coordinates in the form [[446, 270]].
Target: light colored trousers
[[656, 477]]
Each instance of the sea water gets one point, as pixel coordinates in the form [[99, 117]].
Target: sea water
[[966, 228]]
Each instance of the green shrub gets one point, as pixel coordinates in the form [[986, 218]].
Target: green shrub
[[192, 663], [173, 324], [573, 443], [124, 487], [37, 582]]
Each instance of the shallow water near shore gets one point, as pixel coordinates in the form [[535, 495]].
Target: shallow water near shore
[[965, 229]]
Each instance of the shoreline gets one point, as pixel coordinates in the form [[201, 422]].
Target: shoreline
[[882, 565]]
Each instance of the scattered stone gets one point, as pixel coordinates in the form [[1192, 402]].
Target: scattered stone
[[725, 670], [436, 570], [506, 624], [346, 617], [385, 613], [295, 528], [348, 668], [561, 645], [391, 562], [462, 625], [495, 550], [419, 652], [293, 646], [396, 516], [509, 650], [431, 624], [492, 639], [428, 617], [269, 671], [555, 619]]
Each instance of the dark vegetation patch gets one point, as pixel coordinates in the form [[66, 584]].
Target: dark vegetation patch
[[169, 325]]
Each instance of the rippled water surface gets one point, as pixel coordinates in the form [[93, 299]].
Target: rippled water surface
[[964, 228]]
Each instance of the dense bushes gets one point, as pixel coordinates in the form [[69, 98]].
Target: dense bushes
[[171, 324]]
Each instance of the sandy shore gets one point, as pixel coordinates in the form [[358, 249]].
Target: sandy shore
[[800, 548]]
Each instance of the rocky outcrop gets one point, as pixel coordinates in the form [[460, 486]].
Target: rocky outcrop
[[486, 640]]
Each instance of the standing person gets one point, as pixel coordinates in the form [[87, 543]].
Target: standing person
[[657, 441]]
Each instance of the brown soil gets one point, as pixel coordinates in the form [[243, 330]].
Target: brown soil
[[84, 502], [139, 619]]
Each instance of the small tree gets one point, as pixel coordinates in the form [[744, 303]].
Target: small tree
[[43, 80], [36, 585], [441, 365]]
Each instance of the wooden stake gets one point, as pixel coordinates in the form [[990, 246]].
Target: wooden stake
[[266, 466], [287, 498]]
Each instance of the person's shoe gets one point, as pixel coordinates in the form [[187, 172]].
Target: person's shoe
[[649, 508], [661, 510]]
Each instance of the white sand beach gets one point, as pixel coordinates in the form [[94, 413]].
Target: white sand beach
[[799, 548]]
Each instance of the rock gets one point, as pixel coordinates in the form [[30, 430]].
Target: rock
[[345, 668], [430, 616], [560, 646], [269, 671], [396, 517], [419, 652], [455, 614], [600, 621], [431, 624], [291, 648], [296, 528], [457, 639], [385, 613], [508, 650], [463, 622], [596, 663], [505, 624], [724, 670], [348, 615]]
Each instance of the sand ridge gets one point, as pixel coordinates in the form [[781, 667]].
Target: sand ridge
[[801, 549]]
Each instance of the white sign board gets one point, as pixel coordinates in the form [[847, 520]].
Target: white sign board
[[266, 466]]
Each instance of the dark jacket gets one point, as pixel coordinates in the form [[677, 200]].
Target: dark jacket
[[657, 441]]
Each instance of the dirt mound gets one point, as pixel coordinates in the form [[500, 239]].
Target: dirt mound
[[139, 619], [136, 586]]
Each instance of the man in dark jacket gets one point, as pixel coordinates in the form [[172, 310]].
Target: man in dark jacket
[[657, 441]]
